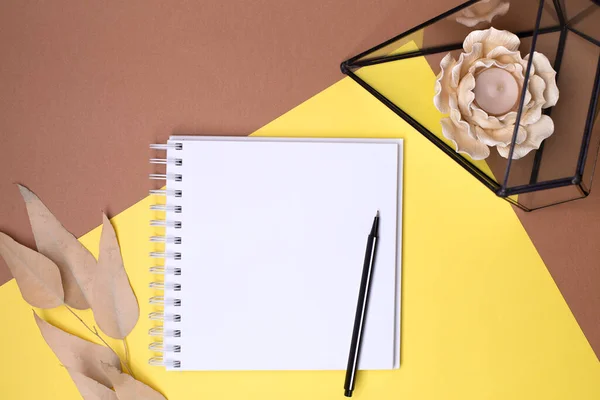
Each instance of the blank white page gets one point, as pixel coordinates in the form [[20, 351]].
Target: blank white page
[[273, 241]]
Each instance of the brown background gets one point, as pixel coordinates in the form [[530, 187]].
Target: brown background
[[84, 88]]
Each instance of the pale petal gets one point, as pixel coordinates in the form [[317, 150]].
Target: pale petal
[[457, 118], [481, 64], [534, 109], [491, 38], [442, 84], [465, 60], [536, 134], [484, 120], [504, 55], [544, 69], [469, 11], [487, 138], [468, 21], [523, 63], [537, 87], [482, 12], [484, 7], [499, 11], [466, 95], [518, 72], [463, 143], [501, 137], [484, 63], [455, 73], [509, 118], [528, 96]]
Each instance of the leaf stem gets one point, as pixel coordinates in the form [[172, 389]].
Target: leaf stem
[[95, 332], [127, 356]]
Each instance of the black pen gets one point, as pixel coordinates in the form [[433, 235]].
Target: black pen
[[361, 308]]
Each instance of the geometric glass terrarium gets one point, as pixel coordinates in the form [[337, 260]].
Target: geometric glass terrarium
[[402, 72]]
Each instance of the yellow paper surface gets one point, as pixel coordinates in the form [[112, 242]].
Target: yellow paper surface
[[481, 316]]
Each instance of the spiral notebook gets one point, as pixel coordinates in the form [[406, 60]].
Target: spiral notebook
[[260, 251]]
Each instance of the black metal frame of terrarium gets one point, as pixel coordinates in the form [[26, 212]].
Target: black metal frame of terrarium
[[567, 32]]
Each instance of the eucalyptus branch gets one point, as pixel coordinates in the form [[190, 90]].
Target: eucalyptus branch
[[127, 354], [95, 332]]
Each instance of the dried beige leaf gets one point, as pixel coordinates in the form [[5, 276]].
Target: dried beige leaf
[[77, 354], [128, 388], [38, 277], [113, 302], [90, 389], [55, 242]]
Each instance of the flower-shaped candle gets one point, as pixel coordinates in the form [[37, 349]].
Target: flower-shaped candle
[[481, 93]]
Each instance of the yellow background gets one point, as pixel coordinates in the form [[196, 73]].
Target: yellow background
[[481, 316]]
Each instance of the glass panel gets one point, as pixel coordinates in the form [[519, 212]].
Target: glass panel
[[594, 145], [521, 159], [583, 16], [543, 198], [409, 84], [448, 31], [521, 170], [406, 74], [559, 154], [576, 81], [404, 70]]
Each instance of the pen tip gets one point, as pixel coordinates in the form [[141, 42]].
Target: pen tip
[[377, 215]]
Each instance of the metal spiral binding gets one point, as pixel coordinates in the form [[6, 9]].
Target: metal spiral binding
[[160, 316], [166, 239], [160, 347], [167, 177], [161, 270], [167, 146], [170, 258], [165, 286], [162, 254], [160, 300], [162, 192], [165, 161], [162, 362], [160, 332], [163, 223], [163, 207]]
